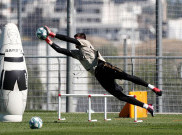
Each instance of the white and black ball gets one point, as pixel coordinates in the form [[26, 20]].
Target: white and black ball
[[35, 123], [41, 33]]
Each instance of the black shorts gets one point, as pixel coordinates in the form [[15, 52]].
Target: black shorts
[[106, 75], [9, 78]]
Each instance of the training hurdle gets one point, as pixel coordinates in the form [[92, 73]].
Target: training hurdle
[[89, 105]]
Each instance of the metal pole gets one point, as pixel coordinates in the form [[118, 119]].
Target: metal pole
[[89, 108], [69, 78], [125, 63], [59, 106], [132, 72], [105, 109], [59, 76], [59, 88], [117, 57], [159, 70], [19, 8], [47, 77]]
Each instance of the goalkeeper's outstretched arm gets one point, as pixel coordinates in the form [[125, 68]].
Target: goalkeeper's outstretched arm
[[58, 48], [67, 39], [61, 37], [61, 50]]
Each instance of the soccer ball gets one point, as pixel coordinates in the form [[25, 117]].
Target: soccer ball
[[35, 123], [41, 33]]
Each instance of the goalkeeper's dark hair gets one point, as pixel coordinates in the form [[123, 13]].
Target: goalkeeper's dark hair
[[80, 35]]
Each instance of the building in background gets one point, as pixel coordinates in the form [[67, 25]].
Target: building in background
[[105, 18], [175, 29], [110, 19]]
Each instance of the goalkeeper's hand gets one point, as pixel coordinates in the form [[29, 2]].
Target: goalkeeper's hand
[[49, 41], [49, 32]]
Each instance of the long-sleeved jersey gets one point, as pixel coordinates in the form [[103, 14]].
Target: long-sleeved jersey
[[85, 53]]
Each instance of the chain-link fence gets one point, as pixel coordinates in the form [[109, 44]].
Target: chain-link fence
[[143, 37]]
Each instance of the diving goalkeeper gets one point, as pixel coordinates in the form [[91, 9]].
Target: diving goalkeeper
[[105, 72]]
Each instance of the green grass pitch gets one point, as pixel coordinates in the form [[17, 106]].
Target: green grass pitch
[[77, 124]]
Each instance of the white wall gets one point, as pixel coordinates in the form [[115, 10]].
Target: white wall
[[175, 29]]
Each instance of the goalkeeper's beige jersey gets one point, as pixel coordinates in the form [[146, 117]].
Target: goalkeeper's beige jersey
[[87, 55]]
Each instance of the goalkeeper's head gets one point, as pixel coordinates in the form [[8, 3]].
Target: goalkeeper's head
[[80, 36]]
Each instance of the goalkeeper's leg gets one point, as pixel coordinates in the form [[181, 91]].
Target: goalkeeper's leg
[[121, 96], [119, 74], [134, 101], [113, 88]]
